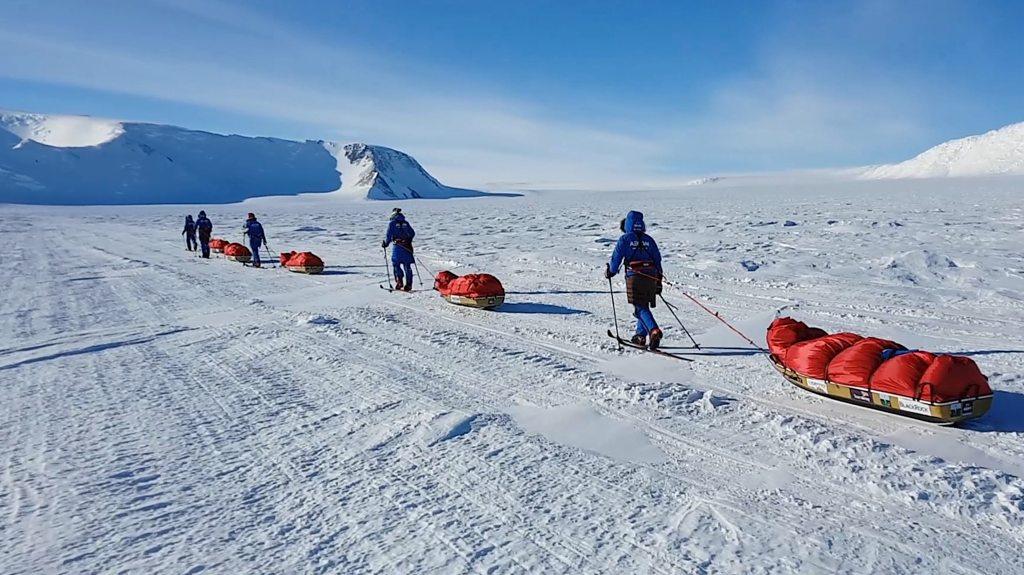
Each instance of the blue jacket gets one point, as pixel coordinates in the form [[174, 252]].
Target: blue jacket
[[204, 226], [254, 230], [190, 226], [401, 234], [635, 247]]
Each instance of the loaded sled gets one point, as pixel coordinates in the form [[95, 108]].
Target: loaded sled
[[217, 245], [482, 291], [302, 262], [879, 374], [237, 253]]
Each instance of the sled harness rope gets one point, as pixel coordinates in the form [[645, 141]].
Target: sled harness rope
[[704, 307]]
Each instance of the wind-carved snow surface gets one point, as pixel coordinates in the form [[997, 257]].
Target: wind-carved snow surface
[[161, 413], [993, 153], [49, 159], [379, 173]]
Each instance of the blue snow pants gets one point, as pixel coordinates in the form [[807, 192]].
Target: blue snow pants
[[254, 245], [399, 266], [644, 319]]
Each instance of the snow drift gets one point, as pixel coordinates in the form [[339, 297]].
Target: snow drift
[[994, 153], [53, 159]]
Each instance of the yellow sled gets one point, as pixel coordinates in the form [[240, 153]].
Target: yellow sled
[[242, 259], [945, 413], [306, 269], [489, 302]]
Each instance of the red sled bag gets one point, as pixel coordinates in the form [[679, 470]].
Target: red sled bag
[[237, 252], [482, 291], [305, 262]]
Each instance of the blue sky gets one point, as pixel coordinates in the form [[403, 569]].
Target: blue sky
[[529, 91]]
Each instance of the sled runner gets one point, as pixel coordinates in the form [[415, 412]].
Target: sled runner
[[482, 291], [879, 374], [302, 262], [238, 253]]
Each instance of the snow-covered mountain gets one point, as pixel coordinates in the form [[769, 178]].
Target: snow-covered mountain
[[380, 173], [56, 159], [993, 153]]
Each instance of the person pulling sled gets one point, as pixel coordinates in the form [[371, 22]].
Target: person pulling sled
[[639, 255], [400, 233], [204, 227], [190, 234], [257, 237]]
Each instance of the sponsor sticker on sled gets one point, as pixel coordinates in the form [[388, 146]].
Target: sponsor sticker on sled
[[817, 385], [885, 400], [860, 395], [914, 406]]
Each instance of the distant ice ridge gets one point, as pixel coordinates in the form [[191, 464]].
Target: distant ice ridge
[[704, 181], [993, 153], [380, 173], [57, 159]]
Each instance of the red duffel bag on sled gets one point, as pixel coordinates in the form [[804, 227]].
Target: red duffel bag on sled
[[303, 262], [879, 373], [482, 291], [238, 253], [218, 245]]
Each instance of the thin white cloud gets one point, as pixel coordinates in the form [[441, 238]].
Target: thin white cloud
[[354, 97], [802, 111], [805, 103]]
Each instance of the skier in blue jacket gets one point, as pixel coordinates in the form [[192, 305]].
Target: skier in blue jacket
[[205, 228], [401, 234], [190, 234], [642, 260], [257, 237]]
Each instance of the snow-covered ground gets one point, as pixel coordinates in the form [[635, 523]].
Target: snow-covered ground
[[167, 414]]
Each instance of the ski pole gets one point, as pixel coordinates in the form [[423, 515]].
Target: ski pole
[[387, 269], [672, 309], [615, 314]]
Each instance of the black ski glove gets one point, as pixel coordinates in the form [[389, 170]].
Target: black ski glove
[[657, 290], [608, 272], [384, 245]]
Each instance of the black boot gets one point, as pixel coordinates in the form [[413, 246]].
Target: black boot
[[655, 338], [640, 340]]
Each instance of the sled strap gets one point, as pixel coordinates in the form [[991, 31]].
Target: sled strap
[[967, 392], [920, 391]]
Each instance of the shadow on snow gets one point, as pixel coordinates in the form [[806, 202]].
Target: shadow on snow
[[1006, 415], [530, 307]]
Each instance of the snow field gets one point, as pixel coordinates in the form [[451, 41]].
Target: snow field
[[172, 414]]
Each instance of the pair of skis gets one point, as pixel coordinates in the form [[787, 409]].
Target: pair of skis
[[393, 290], [627, 343], [658, 351]]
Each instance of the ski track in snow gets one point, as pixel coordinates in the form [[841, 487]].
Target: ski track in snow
[[168, 414]]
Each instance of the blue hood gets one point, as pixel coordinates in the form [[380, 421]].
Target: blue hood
[[634, 223], [398, 218]]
